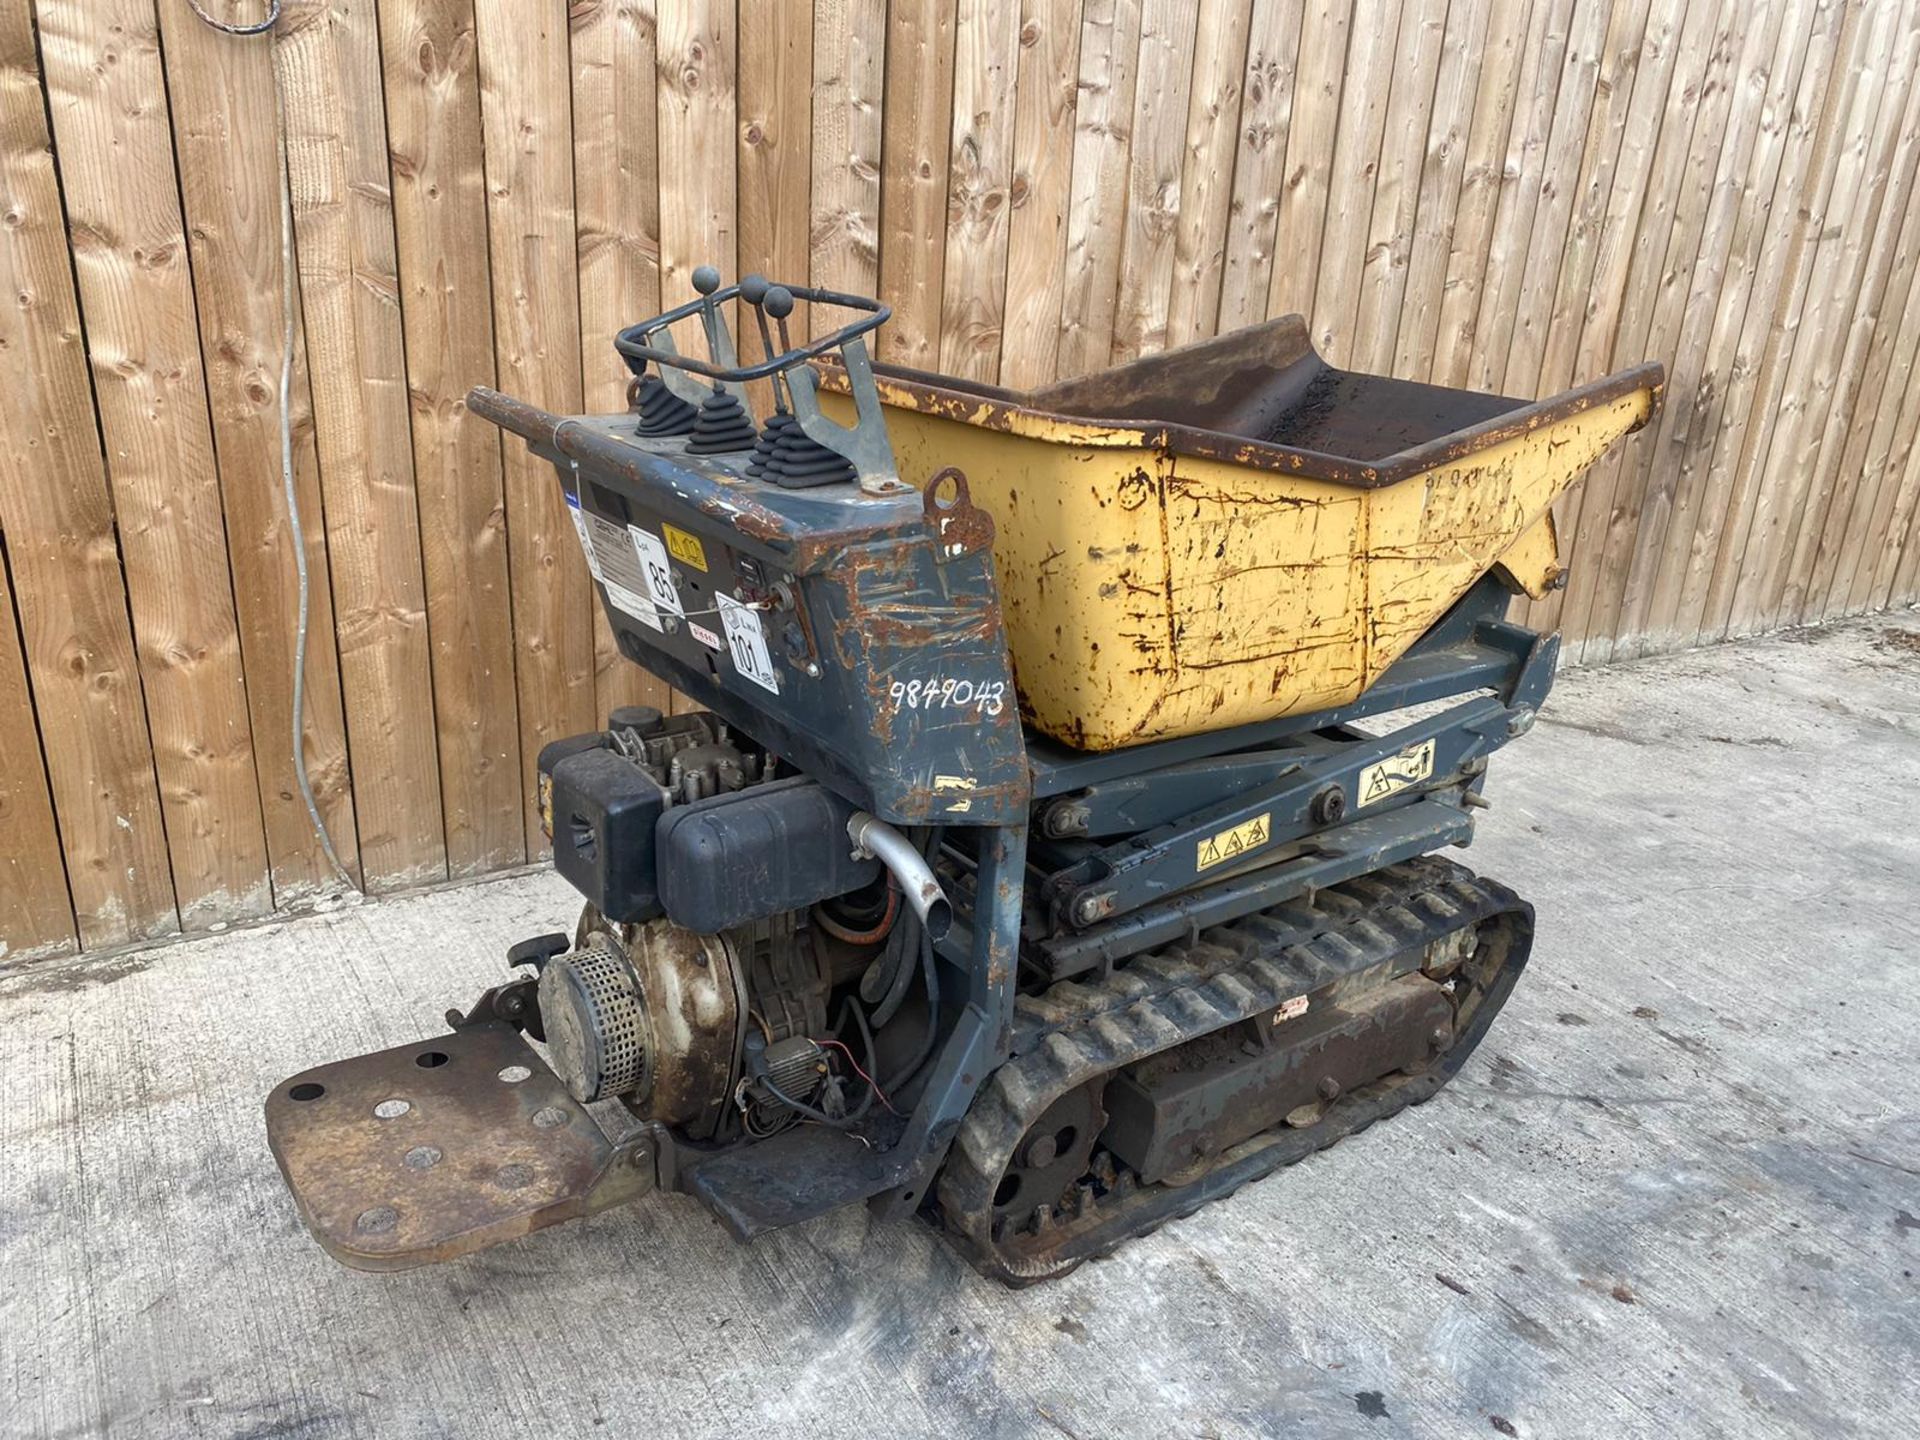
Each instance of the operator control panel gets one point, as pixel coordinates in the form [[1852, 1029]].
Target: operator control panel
[[780, 572]]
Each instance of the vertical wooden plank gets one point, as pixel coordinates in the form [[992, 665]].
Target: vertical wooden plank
[[1890, 558], [1623, 125], [1904, 583], [775, 99], [916, 140], [1717, 176], [1443, 170], [1616, 243], [1751, 547], [1261, 187], [526, 117], [36, 918], [1206, 175], [1151, 217], [1046, 102], [1841, 371], [107, 91], [1351, 176], [1109, 50], [328, 61], [1320, 71], [1591, 46], [1776, 298], [698, 224], [1873, 436], [776, 124], [225, 133], [1521, 176], [1401, 163], [440, 225], [65, 557], [986, 61], [849, 59], [1701, 482], [1667, 258], [616, 184], [1510, 56]]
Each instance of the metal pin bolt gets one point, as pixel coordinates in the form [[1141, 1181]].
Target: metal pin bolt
[[1519, 723]]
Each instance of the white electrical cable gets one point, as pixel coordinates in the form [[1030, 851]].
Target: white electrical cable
[[291, 489]]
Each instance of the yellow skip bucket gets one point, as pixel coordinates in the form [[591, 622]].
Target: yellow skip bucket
[[1235, 530]]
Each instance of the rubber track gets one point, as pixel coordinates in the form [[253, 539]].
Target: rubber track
[[1348, 938]]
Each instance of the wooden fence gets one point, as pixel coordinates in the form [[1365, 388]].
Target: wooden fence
[[1506, 194]]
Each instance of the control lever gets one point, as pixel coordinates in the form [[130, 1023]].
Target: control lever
[[864, 446]]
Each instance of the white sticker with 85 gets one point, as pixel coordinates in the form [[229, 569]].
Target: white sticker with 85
[[747, 642], [943, 692], [652, 554]]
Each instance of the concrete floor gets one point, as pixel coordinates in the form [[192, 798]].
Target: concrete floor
[[1674, 1193]]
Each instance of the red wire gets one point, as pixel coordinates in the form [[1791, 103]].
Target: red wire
[[878, 1092]]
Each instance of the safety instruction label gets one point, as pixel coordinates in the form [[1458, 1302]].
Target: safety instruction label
[[1394, 774], [1232, 843], [655, 569], [614, 563], [747, 642]]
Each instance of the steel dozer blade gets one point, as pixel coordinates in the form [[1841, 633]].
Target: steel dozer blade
[[436, 1149]]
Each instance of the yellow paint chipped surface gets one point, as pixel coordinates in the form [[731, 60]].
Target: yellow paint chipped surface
[[1151, 594]]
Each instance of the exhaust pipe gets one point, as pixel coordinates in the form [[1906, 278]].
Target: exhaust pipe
[[873, 836]]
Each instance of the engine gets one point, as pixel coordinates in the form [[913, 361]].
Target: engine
[[730, 918]]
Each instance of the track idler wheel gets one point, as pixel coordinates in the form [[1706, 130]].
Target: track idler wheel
[[1050, 1161]]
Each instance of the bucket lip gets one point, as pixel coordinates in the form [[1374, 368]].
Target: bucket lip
[[1027, 413]]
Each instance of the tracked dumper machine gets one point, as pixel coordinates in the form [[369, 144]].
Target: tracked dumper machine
[[1053, 852]]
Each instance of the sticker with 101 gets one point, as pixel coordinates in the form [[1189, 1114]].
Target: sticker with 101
[[988, 697]]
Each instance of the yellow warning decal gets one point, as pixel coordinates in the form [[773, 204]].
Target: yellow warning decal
[[1232, 844], [685, 548], [1395, 773]]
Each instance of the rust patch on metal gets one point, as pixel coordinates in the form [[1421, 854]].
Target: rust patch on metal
[[433, 1150], [958, 526], [692, 1020], [1264, 399]]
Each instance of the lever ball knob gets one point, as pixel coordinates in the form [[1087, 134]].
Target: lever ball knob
[[706, 279], [779, 302], [753, 288]]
